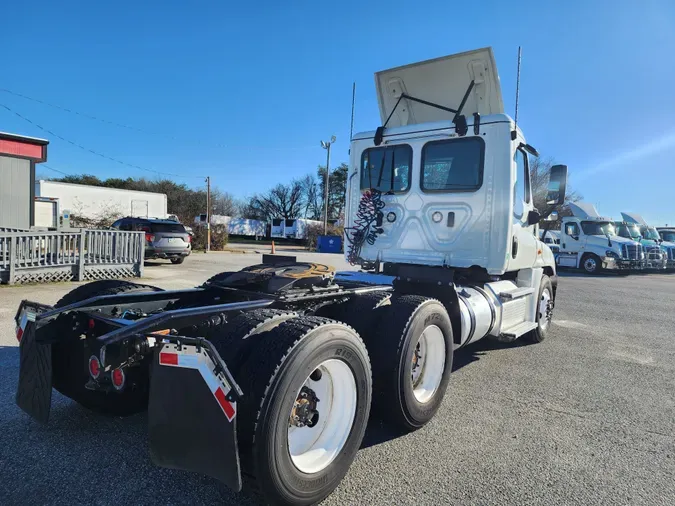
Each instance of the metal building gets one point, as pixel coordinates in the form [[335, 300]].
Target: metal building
[[18, 156]]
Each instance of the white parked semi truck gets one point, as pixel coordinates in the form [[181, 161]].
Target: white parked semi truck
[[657, 252], [265, 378], [590, 242]]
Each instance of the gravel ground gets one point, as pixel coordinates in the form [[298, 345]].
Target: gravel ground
[[586, 417]]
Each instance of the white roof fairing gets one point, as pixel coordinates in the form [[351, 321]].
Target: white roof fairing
[[633, 218], [442, 81], [586, 211]]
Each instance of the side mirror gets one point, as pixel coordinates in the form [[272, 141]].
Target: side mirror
[[552, 217], [557, 185], [533, 217]]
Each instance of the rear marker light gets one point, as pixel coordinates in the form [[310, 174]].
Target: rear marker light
[[94, 367], [168, 358], [118, 378], [19, 333], [91, 323], [149, 237]]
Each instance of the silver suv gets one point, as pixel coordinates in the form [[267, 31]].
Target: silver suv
[[163, 238]]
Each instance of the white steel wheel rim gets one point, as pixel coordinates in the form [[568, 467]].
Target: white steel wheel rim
[[544, 316], [428, 363], [312, 449]]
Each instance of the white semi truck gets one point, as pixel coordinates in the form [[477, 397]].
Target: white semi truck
[[265, 377], [657, 252], [590, 242]]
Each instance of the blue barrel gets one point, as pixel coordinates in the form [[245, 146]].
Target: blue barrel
[[329, 244]]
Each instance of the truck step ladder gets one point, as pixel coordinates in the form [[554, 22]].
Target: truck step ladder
[[520, 329], [516, 294]]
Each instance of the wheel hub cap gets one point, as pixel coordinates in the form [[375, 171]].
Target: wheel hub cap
[[321, 416], [428, 363], [545, 309]]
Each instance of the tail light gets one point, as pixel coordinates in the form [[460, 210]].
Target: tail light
[[149, 237], [117, 377], [189, 239], [94, 367]]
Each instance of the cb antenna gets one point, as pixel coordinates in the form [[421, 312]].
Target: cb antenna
[[351, 128], [514, 134]]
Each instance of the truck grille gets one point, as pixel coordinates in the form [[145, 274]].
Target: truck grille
[[631, 251], [654, 253]]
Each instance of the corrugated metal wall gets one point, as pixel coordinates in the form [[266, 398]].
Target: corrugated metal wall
[[15, 192]]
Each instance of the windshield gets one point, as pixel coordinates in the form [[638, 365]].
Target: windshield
[[628, 231], [598, 228], [650, 233], [668, 235]]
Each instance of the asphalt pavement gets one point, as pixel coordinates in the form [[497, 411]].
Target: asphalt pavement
[[586, 417]]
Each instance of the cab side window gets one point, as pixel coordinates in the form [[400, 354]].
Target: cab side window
[[572, 229], [522, 192], [116, 224]]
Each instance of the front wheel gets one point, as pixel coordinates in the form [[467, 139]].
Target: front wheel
[[544, 311], [591, 264], [305, 414]]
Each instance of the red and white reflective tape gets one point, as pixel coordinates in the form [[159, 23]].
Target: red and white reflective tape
[[188, 358], [22, 326]]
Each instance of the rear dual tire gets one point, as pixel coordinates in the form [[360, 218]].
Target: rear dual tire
[[409, 339], [279, 461]]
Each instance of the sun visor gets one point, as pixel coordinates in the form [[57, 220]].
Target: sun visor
[[442, 81], [633, 218]]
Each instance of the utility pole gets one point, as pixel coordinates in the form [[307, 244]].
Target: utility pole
[[326, 145], [208, 213]]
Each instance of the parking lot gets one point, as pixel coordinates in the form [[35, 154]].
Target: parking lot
[[586, 417]]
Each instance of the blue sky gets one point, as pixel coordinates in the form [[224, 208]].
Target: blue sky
[[244, 93]]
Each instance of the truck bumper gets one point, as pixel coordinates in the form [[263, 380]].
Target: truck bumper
[[166, 253], [613, 264]]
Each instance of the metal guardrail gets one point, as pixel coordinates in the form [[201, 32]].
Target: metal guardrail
[[34, 257]]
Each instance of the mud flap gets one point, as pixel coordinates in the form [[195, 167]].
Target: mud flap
[[34, 392], [192, 421]]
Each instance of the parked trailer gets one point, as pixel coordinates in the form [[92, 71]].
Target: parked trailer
[[95, 201], [266, 376]]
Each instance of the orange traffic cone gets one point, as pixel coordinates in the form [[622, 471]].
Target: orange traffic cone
[[273, 250]]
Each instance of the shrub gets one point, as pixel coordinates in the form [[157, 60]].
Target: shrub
[[219, 237]]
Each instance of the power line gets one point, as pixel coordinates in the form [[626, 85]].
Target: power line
[[55, 170], [93, 151], [135, 129]]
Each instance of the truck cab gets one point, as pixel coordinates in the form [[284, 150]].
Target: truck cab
[[656, 253], [590, 242], [667, 234], [440, 195]]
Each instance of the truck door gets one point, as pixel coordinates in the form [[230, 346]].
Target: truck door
[[571, 244], [524, 243]]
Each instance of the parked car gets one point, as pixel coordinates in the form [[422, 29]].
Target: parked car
[[163, 238]]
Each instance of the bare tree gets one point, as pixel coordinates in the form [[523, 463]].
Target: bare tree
[[282, 201], [311, 197]]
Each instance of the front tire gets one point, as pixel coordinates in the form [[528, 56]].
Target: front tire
[[299, 430], [545, 304], [591, 264], [412, 355]]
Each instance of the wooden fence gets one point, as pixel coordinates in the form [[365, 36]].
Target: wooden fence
[[36, 257]]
